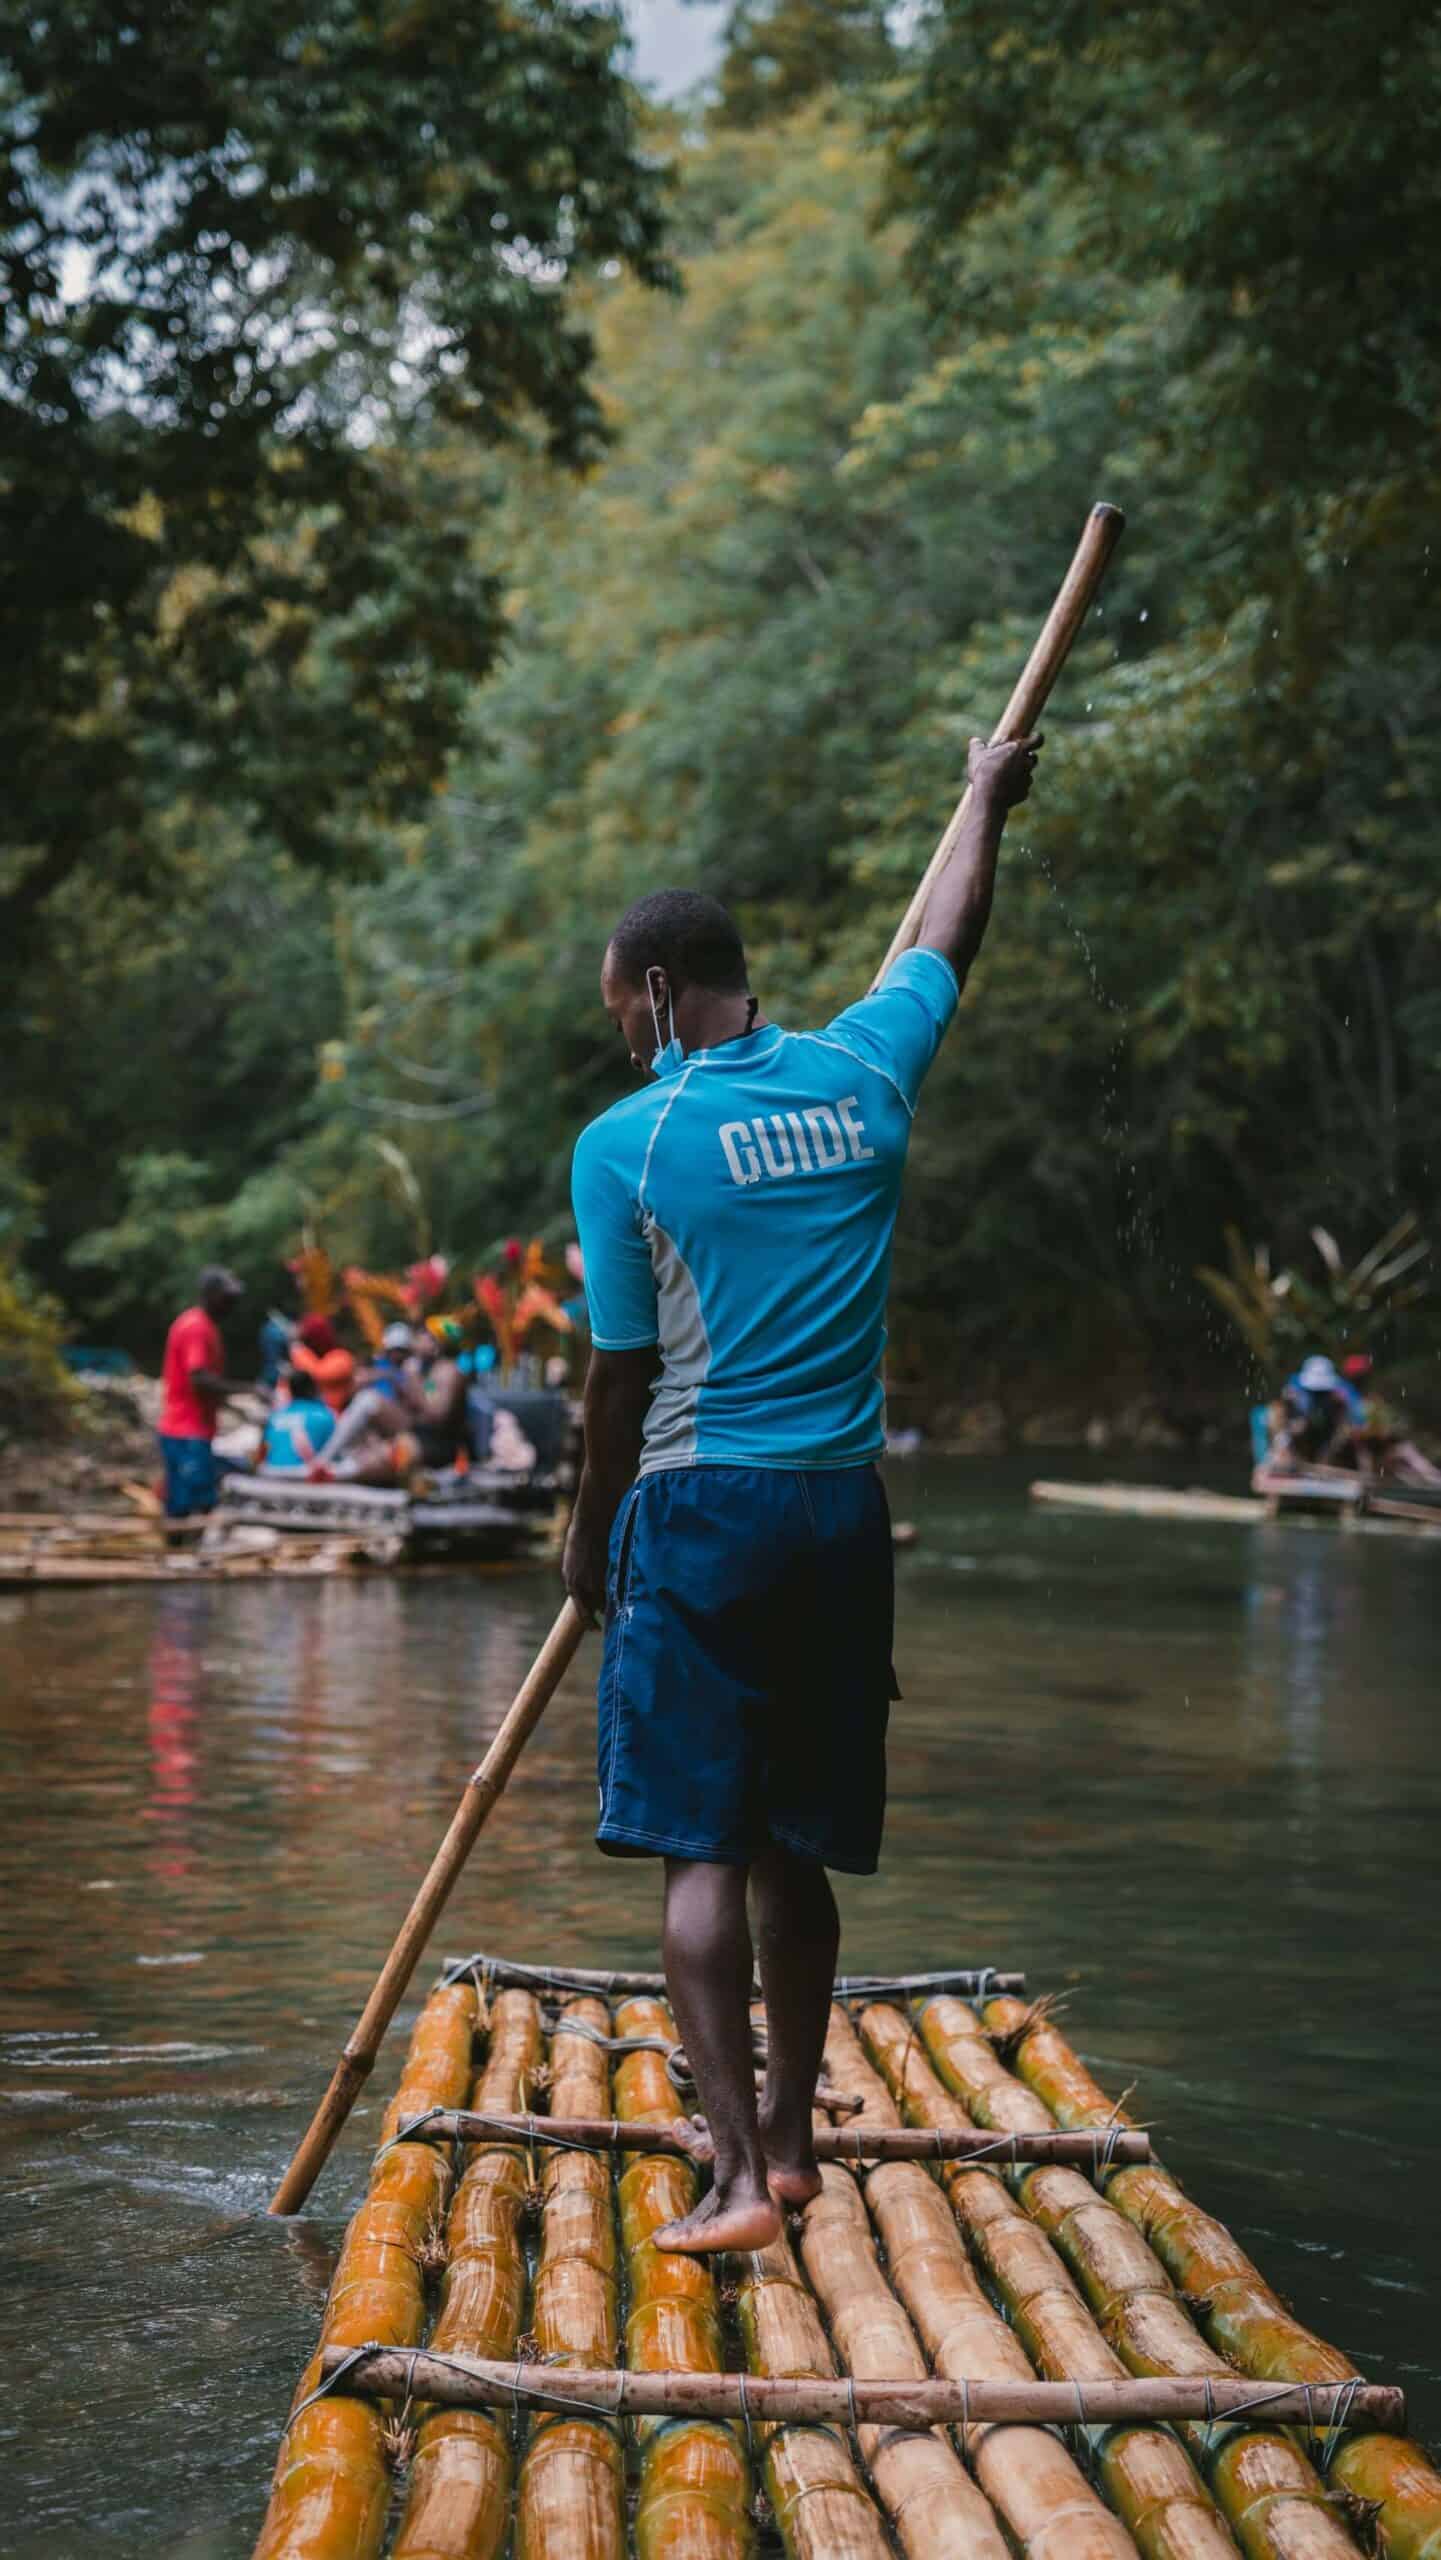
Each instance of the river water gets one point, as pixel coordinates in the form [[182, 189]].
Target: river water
[[1188, 1774]]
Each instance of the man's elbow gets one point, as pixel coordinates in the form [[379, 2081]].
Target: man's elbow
[[618, 1389], [959, 949]]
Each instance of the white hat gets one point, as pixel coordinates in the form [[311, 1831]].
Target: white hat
[[1318, 1374], [397, 1337]]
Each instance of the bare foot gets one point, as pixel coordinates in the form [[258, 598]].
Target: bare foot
[[723, 2222]]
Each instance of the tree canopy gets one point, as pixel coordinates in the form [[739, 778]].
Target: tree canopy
[[268, 272], [746, 651]]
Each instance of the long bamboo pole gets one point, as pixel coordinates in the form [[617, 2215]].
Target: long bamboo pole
[[457, 2381], [1103, 530], [482, 1788], [1233, 2302], [686, 2141]]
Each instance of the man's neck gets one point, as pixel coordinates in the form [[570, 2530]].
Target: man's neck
[[711, 1020]]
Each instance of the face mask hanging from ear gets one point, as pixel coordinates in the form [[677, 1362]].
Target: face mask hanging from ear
[[669, 1055]]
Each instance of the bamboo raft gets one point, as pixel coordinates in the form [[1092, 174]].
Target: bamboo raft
[[1001, 2329], [1347, 1501]]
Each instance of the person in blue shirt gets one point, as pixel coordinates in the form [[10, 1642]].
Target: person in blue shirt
[[735, 1218], [298, 1427]]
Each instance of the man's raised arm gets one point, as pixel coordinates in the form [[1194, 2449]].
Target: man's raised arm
[[959, 906]]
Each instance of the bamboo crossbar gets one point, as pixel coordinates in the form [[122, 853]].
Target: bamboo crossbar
[[474, 2382], [968, 1982], [1111, 2147]]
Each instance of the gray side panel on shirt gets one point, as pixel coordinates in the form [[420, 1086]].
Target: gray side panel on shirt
[[670, 1425]]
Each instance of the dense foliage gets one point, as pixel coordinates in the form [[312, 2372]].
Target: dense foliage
[[255, 257], [929, 315]]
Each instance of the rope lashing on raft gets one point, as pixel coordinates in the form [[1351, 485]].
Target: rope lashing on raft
[[522, 2133], [1339, 2418], [523, 2395], [1334, 2427], [534, 1977], [332, 2382]]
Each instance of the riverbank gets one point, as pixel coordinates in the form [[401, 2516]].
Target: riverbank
[[110, 1442], [105, 1442]]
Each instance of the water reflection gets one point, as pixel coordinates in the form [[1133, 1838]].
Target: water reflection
[[1188, 1772], [175, 1673]]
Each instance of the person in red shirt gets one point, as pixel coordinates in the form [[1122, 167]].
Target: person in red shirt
[[193, 1388]]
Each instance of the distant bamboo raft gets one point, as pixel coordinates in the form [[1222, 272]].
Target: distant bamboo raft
[[578, 2394]]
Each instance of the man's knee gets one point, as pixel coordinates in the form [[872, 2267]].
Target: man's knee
[[792, 1892], [702, 1896]]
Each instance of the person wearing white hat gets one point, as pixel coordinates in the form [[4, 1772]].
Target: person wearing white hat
[[1321, 1417], [1319, 1376], [365, 1448]]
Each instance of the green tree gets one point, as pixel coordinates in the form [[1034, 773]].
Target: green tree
[[268, 270], [747, 650], [781, 53], [1284, 166]]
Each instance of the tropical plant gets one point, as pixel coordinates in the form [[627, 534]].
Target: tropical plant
[[1281, 1315]]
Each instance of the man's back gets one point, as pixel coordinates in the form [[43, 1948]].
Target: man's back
[[740, 1214]]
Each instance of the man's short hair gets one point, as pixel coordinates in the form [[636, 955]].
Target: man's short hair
[[689, 936]]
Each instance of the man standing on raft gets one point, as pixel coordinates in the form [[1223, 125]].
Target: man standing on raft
[[736, 1216]]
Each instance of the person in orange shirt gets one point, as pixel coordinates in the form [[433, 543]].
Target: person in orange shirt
[[193, 1388], [319, 1353]]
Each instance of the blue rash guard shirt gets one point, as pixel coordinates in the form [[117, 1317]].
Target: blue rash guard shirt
[[739, 1213]]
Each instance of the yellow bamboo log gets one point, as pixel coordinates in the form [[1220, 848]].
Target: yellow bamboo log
[[695, 2484], [1146, 2475], [1049, 2510], [822, 2507], [570, 2502], [331, 2492], [1240, 2313], [1271, 2497], [458, 2494], [935, 2508]]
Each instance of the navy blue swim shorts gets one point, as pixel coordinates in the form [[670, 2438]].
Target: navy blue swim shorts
[[746, 1680]]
